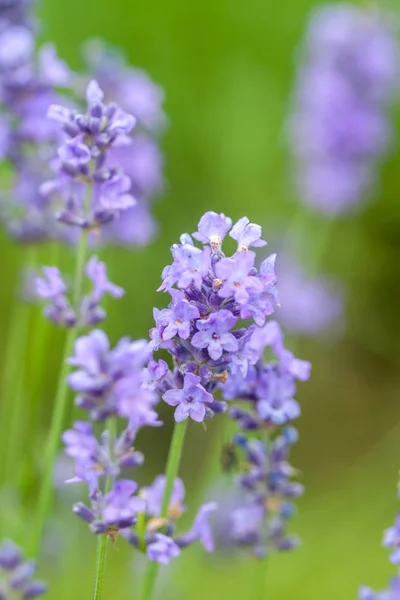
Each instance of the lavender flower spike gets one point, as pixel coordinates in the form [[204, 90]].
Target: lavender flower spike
[[347, 79]]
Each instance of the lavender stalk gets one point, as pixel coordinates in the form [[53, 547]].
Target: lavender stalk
[[93, 195], [103, 540]]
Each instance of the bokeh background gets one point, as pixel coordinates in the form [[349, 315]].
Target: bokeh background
[[228, 68]]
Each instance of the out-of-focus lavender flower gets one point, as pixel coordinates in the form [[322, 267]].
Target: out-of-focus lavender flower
[[52, 288], [308, 305], [17, 575], [29, 83], [161, 548], [94, 192], [257, 516], [142, 160], [347, 77]]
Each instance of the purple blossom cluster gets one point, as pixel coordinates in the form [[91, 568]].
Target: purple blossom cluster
[[210, 295], [142, 159], [115, 384], [347, 77], [17, 575], [216, 331], [58, 309], [391, 539]]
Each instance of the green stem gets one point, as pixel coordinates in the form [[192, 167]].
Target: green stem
[[101, 564], [103, 538], [13, 379], [261, 579], [174, 458], [60, 405]]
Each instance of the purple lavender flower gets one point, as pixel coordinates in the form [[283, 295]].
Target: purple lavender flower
[[214, 334], [178, 319], [93, 459], [236, 277], [189, 267], [247, 234], [112, 381], [52, 288], [17, 575], [84, 155], [219, 290], [142, 159], [161, 548], [346, 81], [201, 529], [113, 511], [212, 229], [91, 313], [191, 401], [268, 387]]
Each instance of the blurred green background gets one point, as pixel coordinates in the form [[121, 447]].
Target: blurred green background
[[227, 68]]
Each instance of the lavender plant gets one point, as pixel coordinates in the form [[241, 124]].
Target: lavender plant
[[212, 294], [94, 193], [391, 539], [339, 128]]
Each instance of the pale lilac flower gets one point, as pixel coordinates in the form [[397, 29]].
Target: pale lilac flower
[[247, 234], [214, 334], [191, 400], [212, 229]]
